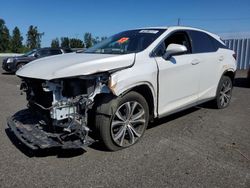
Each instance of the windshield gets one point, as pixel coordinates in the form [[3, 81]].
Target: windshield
[[127, 42], [30, 53]]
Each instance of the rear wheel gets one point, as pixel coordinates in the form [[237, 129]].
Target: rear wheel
[[127, 123], [248, 77], [224, 93]]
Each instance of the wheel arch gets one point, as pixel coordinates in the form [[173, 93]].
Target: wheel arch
[[144, 89], [20, 62], [147, 93], [230, 73]]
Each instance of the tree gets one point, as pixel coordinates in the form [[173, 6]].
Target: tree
[[88, 41], [65, 42], [95, 40], [34, 38], [4, 37], [103, 38], [16, 41], [76, 43], [98, 39], [55, 43]]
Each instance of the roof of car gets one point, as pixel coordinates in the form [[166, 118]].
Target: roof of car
[[183, 28], [172, 27], [50, 48]]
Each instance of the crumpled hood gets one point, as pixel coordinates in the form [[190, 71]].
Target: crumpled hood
[[74, 64]]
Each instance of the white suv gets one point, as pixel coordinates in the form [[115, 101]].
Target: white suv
[[114, 88]]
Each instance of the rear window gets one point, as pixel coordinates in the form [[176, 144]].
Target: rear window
[[201, 42]]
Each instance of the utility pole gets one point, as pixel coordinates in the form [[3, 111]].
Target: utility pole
[[179, 21]]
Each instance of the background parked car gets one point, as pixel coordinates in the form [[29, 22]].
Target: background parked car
[[248, 76], [12, 64]]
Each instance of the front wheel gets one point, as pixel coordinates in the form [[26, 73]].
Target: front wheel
[[224, 93], [127, 123]]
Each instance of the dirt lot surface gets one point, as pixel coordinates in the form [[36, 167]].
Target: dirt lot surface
[[200, 147]]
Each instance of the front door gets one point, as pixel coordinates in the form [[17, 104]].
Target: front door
[[178, 77]]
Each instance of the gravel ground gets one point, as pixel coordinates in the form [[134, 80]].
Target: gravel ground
[[200, 147]]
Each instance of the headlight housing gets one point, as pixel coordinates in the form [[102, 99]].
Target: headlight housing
[[10, 60]]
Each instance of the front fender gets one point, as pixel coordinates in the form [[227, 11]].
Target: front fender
[[121, 87]]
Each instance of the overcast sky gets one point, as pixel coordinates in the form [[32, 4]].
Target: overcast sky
[[58, 18]]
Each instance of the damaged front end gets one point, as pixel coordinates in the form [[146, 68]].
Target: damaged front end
[[58, 111]]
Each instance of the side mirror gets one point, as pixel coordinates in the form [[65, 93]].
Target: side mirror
[[174, 49]]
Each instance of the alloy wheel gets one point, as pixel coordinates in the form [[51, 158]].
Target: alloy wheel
[[128, 123], [225, 93]]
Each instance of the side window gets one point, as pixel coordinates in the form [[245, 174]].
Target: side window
[[201, 42], [160, 50], [68, 50], [216, 43], [42, 53], [176, 38], [55, 52]]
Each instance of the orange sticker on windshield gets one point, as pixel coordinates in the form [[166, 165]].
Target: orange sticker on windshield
[[122, 40]]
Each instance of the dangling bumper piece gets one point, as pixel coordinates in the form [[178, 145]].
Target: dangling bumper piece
[[35, 134]]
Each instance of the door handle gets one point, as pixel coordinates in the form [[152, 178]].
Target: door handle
[[195, 62], [221, 58]]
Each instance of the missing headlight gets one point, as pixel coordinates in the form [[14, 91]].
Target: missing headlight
[[75, 86]]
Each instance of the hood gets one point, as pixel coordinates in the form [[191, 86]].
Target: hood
[[22, 57], [74, 64], [15, 57]]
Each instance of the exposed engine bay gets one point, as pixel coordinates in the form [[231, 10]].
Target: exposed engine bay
[[60, 108]]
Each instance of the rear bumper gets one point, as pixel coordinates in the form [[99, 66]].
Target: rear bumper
[[30, 132]]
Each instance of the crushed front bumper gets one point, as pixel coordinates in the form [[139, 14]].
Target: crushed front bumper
[[28, 129]]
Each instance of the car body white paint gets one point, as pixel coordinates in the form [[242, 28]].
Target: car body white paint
[[197, 79], [196, 83]]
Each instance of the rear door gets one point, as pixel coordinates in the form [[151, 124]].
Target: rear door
[[209, 58], [178, 76]]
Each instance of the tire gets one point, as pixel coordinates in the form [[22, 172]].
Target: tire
[[248, 77], [19, 66], [224, 93], [122, 127]]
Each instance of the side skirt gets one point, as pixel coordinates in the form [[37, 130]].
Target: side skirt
[[185, 107]]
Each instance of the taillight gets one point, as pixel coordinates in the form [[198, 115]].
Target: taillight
[[235, 56]]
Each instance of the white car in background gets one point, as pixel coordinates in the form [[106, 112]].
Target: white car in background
[[114, 88]]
